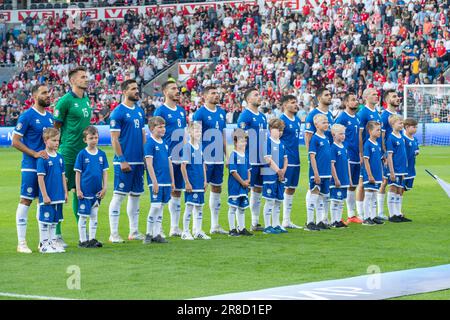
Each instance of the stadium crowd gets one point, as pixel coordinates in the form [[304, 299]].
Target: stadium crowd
[[347, 47]]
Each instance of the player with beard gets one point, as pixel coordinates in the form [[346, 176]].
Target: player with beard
[[254, 123], [324, 99], [212, 119], [175, 117], [72, 116], [393, 102], [351, 143], [127, 128], [27, 138], [290, 140]]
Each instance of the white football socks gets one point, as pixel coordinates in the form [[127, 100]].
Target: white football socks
[[82, 222], [311, 205], [320, 209], [93, 222], [175, 211], [334, 211], [43, 232], [114, 212], [255, 206], [391, 203], [241, 219], [360, 208], [232, 217], [133, 213], [188, 208], [276, 214], [351, 203], [368, 200], [21, 221], [198, 218], [287, 207], [214, 205], [268, 209], [380, 203]]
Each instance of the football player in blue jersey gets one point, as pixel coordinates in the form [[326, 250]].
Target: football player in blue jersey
[[324, 100], [372, 173], [127, 139], [365, 114], [290, 140], [340, 170], [392, 103], [212, 119], [91, 181], [398, 168], [319, 175], [350, 121], [175, 117], [412, 151], [254, 123], [160, 183], [27, 138], [52, 192]]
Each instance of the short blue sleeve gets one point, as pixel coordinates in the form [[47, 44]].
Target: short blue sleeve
[[105, 161], [389, 145], [313, 145], [243, 122], [149, 149], [309, 124], [232, 166], [22, 124], [366, 153], [79, 162], [116, 121], [333, 154], [41, 167], [198, 115]]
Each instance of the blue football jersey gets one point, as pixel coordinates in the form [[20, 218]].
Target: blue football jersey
[[277, 152], [159, 151], [131, 125], [255, 124], [412, 150], [396, 146], [91, 167], [237, 163], [52, 169], [311, 128], [385, 126], [30, 127], [291, 139], [320, 146], [351, 142], [372, 151], [365, 115], [193, 157], [213, 125], [175, 129], [340, 160]]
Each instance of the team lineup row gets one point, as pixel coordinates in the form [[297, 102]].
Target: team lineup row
[[343, 153]]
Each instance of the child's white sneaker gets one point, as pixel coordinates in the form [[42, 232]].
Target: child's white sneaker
[[22, 247], [187, 236], [202, 236]]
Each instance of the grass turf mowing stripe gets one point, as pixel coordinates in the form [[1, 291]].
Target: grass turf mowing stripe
[[26, 296]]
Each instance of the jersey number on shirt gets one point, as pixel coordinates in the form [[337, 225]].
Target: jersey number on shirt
[[136, 123], [85, 112], [179, 123]]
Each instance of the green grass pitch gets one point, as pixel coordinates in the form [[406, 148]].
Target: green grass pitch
[[189, 269]]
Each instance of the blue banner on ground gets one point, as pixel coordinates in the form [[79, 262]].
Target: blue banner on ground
[[435, 134]]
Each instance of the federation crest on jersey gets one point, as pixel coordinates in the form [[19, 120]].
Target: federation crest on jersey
[[121, 185], [195, 196], [155, 196], [269, 191], [29, 189], [20, 125], [140, 114], [339, 193], [46, 215], [100, 159], [82, 206], [181, 113]]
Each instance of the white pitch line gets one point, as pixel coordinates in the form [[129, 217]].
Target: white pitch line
[[25, 296]]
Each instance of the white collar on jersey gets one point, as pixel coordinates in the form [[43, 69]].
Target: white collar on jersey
[[173, 109], [321, 111], [92, 154], [158, 141], [372, 110], [339, 146], [131, 108], [323, 137], [196, 148], [410, 139], [256, 114], [292, 119], [53, 155], [42, 114], [240, 154], [277, 142], [375, 143], [350, 115], [398, 137], [212, 111], [390, 112]]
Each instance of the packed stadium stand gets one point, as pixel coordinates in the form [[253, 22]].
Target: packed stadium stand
[[347, 47]]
